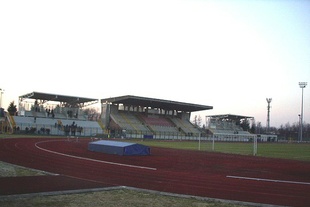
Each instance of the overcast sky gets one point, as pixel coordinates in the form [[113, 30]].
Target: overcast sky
[[231, 55]]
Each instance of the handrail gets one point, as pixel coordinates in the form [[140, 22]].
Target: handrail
[[128, 121], [101, 124], [11, 121]]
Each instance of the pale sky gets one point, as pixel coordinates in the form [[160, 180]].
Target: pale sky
[[229, 54]]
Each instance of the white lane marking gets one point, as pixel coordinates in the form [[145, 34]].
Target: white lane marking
[[268, 180], [93, 160]]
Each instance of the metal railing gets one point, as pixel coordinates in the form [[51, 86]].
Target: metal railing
[[44, 129]]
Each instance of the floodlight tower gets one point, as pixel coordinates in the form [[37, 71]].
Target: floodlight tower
[[1, 92], [302, 85], [268, 114]]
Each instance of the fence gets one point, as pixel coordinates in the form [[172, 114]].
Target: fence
[[156, 135]]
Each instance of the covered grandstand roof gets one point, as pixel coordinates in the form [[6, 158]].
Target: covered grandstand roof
[[156, 103], [56, 97], [230, 116]]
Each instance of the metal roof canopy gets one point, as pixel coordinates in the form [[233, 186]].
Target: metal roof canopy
[[155, 103], [72, 100], [230, 117]]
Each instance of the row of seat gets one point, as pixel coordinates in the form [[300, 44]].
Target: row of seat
[[56, 125], [186, 126], [44, 114], [152, 123], [154, 120], [226, 131]]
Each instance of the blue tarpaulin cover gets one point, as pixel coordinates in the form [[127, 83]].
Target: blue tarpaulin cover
[[119, 148]]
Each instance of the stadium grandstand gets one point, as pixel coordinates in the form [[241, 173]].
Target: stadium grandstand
[[141, 117], [54, 114], [227, 127], [124, 116]]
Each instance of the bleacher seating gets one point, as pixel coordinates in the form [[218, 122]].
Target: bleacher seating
[[27, 122], [156, 120], [185, 126], [129, 121], [155, 124], [227, 128], [159, 124], [132, 122]]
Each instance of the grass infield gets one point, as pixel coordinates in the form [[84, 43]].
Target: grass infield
[[295, 151]]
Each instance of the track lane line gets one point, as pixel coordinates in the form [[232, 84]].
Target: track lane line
[[268, 180], [89, 159]]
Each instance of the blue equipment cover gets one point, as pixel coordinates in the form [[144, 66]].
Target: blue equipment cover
[[119, 148]]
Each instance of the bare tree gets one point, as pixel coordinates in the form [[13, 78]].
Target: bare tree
[[197, 121]]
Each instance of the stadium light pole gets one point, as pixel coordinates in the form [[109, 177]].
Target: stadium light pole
[[298, 127], [255, 146], [1, 92], [199, 141], [302, 85], [268, 114]]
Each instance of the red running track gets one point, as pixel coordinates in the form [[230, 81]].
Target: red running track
[[206, 174]]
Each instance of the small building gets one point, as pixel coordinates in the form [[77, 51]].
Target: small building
[[267, 138]]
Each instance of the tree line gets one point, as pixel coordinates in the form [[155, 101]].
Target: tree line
[[286, 131]]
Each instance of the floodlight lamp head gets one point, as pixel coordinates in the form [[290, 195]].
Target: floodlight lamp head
[[302, 84]]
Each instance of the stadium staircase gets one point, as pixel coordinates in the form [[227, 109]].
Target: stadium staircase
[[128, 121], [185, 126], [121, 122], [11, 123], [101, 124]]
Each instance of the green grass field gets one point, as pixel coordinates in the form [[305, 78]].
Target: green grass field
[[275, 150], [295, 151]]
